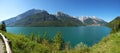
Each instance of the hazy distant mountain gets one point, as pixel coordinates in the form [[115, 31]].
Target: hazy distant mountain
[[92, 20], [37, 17], [23, 15]]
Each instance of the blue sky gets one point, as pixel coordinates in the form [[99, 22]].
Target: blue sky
[[104, 9]]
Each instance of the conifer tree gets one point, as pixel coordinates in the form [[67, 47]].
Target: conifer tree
[[58, 41], [3, 26]]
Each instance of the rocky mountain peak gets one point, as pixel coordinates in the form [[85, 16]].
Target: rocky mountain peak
[[61, 14], [35, 11], [92, 20]]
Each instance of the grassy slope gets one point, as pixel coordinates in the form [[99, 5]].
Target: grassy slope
[[21, 44], [109, 44]]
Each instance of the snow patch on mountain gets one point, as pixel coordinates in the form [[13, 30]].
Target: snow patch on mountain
[[92, 20]]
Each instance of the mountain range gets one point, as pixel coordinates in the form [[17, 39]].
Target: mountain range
[[36, 18], [92, 20]]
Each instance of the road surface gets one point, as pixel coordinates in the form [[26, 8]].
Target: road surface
[[1, 46], [6, 41]]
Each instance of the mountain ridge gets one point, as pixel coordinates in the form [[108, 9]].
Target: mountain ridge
[[114, 24], [43, 18], [92, 21], [18, 17], [36, 17]]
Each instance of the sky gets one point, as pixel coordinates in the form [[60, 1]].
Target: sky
[[103, 9]]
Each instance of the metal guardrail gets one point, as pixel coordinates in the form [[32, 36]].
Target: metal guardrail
[[6, 41]]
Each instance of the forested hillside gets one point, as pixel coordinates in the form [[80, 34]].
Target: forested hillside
[[115, 24]]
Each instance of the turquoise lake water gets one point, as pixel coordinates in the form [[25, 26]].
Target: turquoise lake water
[[89, 35]]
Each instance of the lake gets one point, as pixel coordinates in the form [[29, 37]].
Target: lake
[[89, 35]]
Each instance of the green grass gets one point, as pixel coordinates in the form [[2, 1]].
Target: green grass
[[109, 44], [21, 44]]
